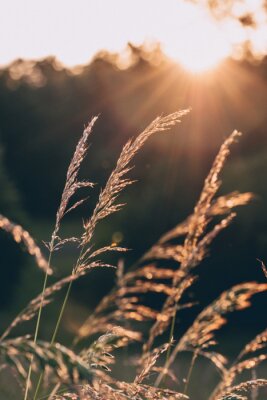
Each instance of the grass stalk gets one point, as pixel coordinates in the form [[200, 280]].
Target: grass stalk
[[170, 337], [61, 313], [58, 321], [54, 334], [163, 376], [37, 328], [193, 360], [22, 351]]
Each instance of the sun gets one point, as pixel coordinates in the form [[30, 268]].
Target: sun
[[203, 55], [199, 45]]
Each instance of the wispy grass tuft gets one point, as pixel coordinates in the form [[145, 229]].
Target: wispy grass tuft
[[54, 371]]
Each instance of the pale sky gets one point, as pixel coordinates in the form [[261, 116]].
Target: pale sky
[[74, 31]]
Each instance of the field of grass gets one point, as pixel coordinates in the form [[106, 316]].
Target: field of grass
[[132, 343]]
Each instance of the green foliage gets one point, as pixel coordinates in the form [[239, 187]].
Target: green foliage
[[10, 203]]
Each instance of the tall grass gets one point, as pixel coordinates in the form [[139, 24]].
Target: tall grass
[[47, 369]]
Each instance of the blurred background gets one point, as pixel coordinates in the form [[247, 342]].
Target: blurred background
[[130, 61]]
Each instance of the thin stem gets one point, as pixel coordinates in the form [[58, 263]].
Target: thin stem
[[37, 327], [38, 386], [55, 391], [255, 391], [28, 380], [54, 334], [40, 310], [170, 337], [59, 320], [61, 313], [163, 375], [190, 371]]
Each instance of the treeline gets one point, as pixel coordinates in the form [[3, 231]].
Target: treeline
[[44, 107]]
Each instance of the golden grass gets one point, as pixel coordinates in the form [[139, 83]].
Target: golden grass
[[121, 317]]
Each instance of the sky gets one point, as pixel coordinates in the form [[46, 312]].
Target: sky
[[74, 31]]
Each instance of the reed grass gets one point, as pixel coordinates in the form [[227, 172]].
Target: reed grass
[[47, 369]]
